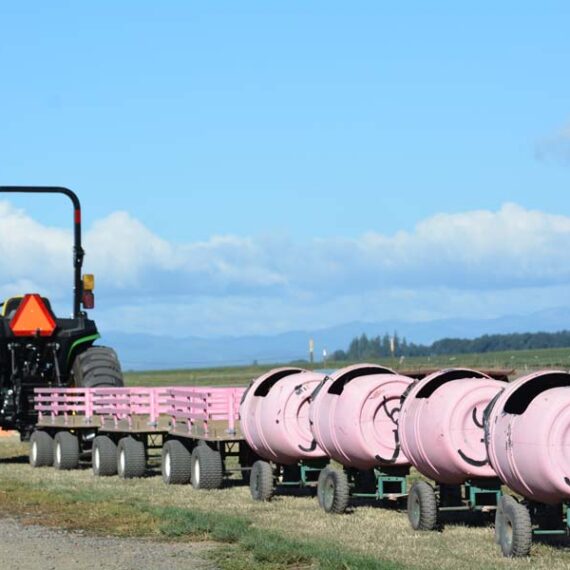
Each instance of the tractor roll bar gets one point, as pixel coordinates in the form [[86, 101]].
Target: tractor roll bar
[[78, 252]]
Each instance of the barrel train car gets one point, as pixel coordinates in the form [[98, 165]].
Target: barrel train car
[[349, 435]]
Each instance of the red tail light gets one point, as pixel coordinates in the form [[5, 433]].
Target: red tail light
[[88, 300]]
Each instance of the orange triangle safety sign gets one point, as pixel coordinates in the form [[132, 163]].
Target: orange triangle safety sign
[[32, 318]]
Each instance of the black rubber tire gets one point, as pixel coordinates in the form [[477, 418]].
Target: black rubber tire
[[513, 528], [333, 490], [261, 481], [97, 366], [104, 456], [131, 458], [41, 449], [176, 465], [65, 451], [320, 482], [206, 467], [422, 507]]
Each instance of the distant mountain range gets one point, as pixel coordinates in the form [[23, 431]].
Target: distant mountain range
[[150, 352]]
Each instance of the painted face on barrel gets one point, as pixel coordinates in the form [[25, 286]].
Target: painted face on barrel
[[391, 408], [475, 423]]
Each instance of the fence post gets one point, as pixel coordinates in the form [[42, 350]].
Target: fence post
[[88, 404], [231, 414]]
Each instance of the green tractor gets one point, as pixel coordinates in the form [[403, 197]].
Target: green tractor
[[38, 349]]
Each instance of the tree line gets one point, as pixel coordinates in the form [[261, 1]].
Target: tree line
[[362, 347]]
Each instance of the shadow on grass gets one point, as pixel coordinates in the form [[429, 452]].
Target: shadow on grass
[[16, 459], [469, 519], [281, 492], [559, 542]]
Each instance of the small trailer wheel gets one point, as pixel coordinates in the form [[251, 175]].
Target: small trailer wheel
[[320, 485], [333, 490], [131, 458], [422, 507], [261, 484], [513, 528], [206, 467], [176, 463], [65, 451], [104, 456], [41, 449]]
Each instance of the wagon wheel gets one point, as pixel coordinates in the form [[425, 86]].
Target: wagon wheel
[[207, 470], [66, 451], [104, 456], [176, 463], [131, 458], [261, 483], [41, 449], [513, 528], [422, 507], [333, 490]]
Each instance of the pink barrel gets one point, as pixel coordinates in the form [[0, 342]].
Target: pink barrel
[[274, 415], [528, 436], [441, 425], [354, 416]]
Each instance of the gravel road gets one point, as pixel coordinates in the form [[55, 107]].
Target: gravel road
[[39, 548]]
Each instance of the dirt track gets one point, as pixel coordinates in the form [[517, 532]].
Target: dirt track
[[38, 548]]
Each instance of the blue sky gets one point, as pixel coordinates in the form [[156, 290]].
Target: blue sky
[[244, 142]]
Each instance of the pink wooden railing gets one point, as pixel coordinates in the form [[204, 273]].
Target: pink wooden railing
[[119, 404], [110, 403], [187, 405], [63, 402]]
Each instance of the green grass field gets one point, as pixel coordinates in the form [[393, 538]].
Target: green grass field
[[289, 533], [520, 361]]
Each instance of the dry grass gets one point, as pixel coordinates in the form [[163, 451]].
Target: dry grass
[[379, 533]]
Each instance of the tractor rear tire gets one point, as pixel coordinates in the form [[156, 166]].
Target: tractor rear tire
[[513, 528], [41, 449], [333, 490], [176, 463], [422, 507], [131, 458], [97, 366], [261, 482], [65, 451], [207, 468], [104, 456]]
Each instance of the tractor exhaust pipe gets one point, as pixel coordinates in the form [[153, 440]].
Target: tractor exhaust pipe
[[78, 252]]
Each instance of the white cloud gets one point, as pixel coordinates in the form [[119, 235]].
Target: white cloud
[[448, 265], [122, 248]]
